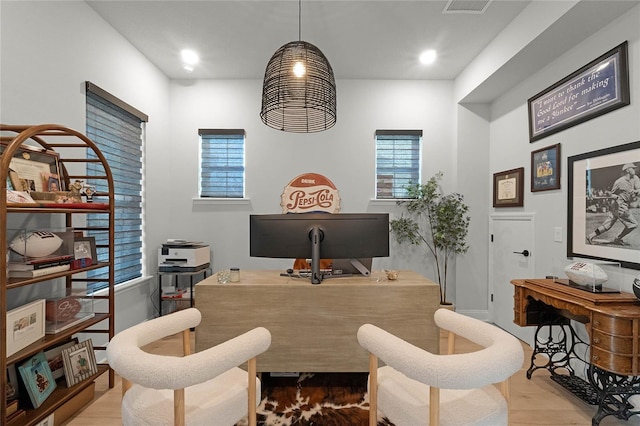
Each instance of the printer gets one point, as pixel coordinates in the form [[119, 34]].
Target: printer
[[183, 257]]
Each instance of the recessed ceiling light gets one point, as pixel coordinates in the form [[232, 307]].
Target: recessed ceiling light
[[428, 57], [189, 57]]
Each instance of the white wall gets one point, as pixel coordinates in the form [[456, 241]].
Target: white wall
[[345, 154], [49, 49], [509, 142]]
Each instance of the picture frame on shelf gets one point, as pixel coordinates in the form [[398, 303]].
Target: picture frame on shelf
[[545, 168], [29, 164], [25, 325], [79, 362], [50, 182], [48, 421], [85, 248], [54, 358], [595, 89], [598, 210], [37, 379], [508, 188], [13, 384], [19, 197]]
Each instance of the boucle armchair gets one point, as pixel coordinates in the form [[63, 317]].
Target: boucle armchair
[[417, 387], [203, 388]]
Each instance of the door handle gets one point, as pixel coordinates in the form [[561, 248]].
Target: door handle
[[525, 253]]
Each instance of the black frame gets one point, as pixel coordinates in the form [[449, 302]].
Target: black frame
[[91, 241], [591, 171], [545, 160], [50, 159], [581, 96], [518, 200]]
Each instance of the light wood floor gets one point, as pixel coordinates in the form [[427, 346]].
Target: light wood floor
[[538, 401]]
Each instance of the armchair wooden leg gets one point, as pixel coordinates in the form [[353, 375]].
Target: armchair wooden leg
[[126, 385], [186, 342], [434, 406], [451, 343], [178, 407], [505, 387], [373, 390], [252, 415]]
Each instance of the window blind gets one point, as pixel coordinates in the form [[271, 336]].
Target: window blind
[[397, 161], [222, 163], [118, 133]]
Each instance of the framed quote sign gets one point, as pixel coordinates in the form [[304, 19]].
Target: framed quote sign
[[597, 88]]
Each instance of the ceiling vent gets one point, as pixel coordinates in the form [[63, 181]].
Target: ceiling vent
[[466, 6]]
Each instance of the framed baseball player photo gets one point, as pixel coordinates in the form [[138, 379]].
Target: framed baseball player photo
[[604, 205]]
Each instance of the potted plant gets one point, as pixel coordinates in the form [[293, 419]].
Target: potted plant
[[436, 220]]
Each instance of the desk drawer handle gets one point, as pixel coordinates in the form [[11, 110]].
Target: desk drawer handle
[[596, 340], [595, 357], [596, 323]]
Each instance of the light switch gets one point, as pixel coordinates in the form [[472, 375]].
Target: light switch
[[557, 234]]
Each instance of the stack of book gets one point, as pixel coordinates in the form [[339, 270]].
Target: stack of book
[[15, 414], [39, 266]]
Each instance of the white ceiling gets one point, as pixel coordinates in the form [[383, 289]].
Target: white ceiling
[[371, 39]]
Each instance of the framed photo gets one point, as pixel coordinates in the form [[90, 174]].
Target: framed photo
[[54, 358], [604, 205], [508, 188], [49, 421], [36, 376], [85, 248], [13, 385], [545, 168], [29, 166], [25, 325], [79, 362], [597, 88], [50, 182]]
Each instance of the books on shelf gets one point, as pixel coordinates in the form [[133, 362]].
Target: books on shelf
[[12, 407], [39, 272], [17, 418], [40, 263], [179, 293]]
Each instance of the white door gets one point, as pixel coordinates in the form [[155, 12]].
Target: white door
[[511, 256]]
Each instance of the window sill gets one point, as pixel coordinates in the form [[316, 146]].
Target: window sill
[[222, 201], [385, 202]]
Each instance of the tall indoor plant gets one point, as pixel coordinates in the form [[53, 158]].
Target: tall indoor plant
[[436, 220]]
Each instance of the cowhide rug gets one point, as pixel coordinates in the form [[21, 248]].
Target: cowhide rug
[[318, 399]]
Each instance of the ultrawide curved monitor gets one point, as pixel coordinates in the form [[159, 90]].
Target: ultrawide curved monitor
[[319, 235]]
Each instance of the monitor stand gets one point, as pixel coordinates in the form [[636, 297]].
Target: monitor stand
[[316, 236], [360, 267]]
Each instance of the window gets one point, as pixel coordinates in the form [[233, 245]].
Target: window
[[397, 162], [117, 129], [221, 163]]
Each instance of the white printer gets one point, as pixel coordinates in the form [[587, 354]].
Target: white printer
[[183, 256]]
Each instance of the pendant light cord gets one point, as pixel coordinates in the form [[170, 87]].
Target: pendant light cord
[[299, 20]]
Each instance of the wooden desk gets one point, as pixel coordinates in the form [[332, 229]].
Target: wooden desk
[[612, 322], [314, 327]]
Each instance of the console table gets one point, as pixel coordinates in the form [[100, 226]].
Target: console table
[[612, 321], [314, 327]]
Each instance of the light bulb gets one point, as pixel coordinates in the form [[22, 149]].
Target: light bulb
[[189, 57], [428, 57], [299, 69]]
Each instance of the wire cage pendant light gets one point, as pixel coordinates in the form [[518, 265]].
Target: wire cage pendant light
[[299, 89]]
